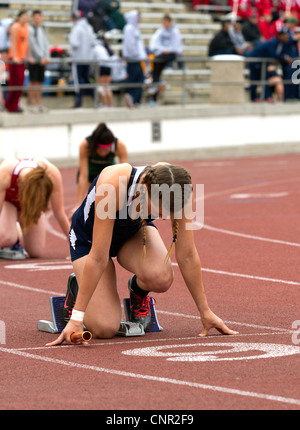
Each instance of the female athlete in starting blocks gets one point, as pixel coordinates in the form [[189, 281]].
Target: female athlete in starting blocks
[[116, 220], [27, 188]]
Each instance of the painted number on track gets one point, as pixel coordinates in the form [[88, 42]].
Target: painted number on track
[[215, 351]]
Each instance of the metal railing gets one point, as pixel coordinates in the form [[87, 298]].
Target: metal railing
[[184, 81]]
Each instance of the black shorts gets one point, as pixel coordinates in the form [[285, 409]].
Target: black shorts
[[36, 73], [82, 248], [104, 71]]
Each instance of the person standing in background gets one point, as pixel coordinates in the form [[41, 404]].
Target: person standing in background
[[18, 54], [38, 59], [133, 51], [82, 40]]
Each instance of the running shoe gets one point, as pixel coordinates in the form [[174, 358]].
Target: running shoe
[[72, 291], [139, 307], [15, 252]]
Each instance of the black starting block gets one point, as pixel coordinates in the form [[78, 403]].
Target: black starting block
[[127, 328]]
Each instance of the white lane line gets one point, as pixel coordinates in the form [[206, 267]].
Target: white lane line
[[249, 236], [247, 186], [129, 341], [243, 275], [164, 380], [175, 314], [24, 287], [258, 278]]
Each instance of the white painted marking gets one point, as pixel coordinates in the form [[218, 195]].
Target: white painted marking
[[24, 287], [43, 266], [247, 186], [235, 350], [242, 275], [258, 278], [145, 377], [249, 236], [242, 196], [213, 163]]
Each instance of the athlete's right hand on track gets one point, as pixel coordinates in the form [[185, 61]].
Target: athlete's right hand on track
[[71, 327]]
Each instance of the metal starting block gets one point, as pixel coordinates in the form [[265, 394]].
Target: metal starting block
[[57, 324], [128, 328], [154, 325]]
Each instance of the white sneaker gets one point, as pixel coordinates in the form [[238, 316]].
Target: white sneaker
[[15, 252]]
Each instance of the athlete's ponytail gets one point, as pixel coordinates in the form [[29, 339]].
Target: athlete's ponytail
[[34, 194]]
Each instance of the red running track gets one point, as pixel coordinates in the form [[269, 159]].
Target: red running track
[[249, 250]]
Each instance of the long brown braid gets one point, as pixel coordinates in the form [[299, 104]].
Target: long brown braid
[[166, 174]]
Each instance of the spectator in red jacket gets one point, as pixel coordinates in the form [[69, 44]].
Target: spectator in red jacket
[[266, 25], [241, 7]]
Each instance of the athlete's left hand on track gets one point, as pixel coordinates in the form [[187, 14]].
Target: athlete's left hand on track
[[210, 320]]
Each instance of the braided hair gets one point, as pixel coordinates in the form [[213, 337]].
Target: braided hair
[[171, 176]]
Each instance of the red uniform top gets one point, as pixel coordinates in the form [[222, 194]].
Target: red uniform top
[[12, 193]]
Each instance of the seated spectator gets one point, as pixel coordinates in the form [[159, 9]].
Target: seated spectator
[[251, 30], [221, 42], [108, 10], [102, 54], [288, 8], [266, 25], [166, 45], [86, 6], [261, 5], [273, 49], [112, 9], [237, 38], [291, 91], [196, 3], [242, 8]]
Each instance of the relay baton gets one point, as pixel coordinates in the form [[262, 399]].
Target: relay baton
[[86, 336]]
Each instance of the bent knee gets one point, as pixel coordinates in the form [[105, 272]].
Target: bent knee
[[104, 331], [159, 281], [7, 240]]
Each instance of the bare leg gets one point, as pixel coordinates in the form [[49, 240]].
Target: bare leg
[[8, 225], [154, 274], [35, 238], [103, 313]]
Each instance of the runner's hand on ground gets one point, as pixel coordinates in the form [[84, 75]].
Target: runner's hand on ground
[[210, 320], [71, 327]]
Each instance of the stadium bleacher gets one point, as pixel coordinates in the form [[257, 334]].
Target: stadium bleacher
[[196, 29]]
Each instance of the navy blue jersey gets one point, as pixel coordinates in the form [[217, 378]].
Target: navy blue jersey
[[81, 231]]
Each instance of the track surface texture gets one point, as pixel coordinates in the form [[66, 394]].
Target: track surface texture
[[249, 249]]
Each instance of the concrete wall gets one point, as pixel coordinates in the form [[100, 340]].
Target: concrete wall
[[182, 134]]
